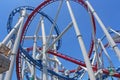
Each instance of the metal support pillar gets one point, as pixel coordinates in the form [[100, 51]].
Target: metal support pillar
[[44, 58], [55, 63], [79, 36], [12, 32], [95, 46], [63, 32], [33, 55], [110, 40], [15, 48], [33, 73], [55, 20], [107, 55]]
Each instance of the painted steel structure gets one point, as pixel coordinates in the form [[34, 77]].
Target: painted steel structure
[[40, 61]]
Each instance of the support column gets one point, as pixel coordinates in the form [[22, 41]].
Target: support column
[[15, 48], [12, 32], [83, 49], [110, 40], [44, 58], [99, 76], [55, 63], [34, 55], [33, 71]]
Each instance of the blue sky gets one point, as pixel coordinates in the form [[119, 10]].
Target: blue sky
[[108, 11]]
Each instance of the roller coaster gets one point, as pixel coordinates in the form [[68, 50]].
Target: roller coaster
[[36, 41]]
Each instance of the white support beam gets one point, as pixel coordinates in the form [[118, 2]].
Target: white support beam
[[55, 20], [106, 53], [56, 65], [79, 36], [63, 32], [44, 58], [12, 32], [35, 38], [15, 48], [110, 40]]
